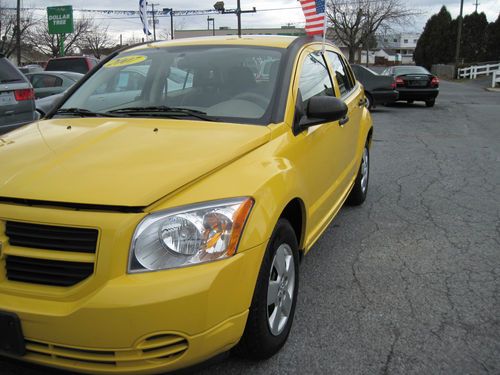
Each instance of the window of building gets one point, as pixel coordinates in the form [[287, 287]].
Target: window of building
[[406, 40]]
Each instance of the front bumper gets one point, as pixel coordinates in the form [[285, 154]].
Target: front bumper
[[129, 323]]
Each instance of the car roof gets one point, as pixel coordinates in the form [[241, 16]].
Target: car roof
[[276, 41], [246, 40], [72, 57]]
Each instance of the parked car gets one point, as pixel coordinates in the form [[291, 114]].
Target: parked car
[[17, 104], [32, 68], [152, 232], [78, 64], [379, 89], [414, 83], [47, 84], [45, 105]]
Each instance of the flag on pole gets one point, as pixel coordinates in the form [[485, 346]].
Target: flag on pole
[[314, 11], [144, 16]]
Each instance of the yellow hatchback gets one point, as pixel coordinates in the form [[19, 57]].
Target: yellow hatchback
[[157, 216]]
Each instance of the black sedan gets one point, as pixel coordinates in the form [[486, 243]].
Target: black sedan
[[415, 83], [379, 89], [50, 83]]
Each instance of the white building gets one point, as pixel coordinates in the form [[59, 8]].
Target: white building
[[403, 43]]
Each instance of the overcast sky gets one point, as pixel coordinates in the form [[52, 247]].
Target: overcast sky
[[274, 18]]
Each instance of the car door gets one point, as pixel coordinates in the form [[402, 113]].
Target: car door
[[351, 92], [318, 151]]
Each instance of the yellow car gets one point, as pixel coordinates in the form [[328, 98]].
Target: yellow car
[[157, 216]]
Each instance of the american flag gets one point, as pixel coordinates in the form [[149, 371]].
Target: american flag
[[314, 10]]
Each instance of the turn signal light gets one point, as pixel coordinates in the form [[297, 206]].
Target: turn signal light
[[399, 82], [24, 94]]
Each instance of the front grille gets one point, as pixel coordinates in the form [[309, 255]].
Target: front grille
[[50, 237], [47, 272], [42, 269], [154, 351]]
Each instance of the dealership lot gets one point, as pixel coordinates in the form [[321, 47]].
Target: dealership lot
[[409, 282]]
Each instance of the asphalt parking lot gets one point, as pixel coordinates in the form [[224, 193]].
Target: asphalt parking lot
[[408, 283]]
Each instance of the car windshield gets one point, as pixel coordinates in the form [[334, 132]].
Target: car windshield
[[220, 82], [410, 70]]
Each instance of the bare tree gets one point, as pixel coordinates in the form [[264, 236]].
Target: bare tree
[[49, 44], [355, 22], [8, 27], [96, 40]]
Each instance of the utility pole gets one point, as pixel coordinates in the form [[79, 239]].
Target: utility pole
[[476, 4], [18, 32], [219, 6], [459, 34]]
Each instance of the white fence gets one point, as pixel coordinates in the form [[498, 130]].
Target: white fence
[[473, 71], [496, 78]]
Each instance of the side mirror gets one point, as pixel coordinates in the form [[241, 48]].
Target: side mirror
[[322, 109]]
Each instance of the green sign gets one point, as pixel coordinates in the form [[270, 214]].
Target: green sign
[[60, 19]]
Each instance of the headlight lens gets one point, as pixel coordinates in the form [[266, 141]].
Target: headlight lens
[[189, 235]]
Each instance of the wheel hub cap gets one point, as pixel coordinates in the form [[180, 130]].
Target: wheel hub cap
[[280, 290]]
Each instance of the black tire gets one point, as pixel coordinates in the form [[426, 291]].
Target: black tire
[[258, 342], [430, 103], [358, 194], [369, 101]]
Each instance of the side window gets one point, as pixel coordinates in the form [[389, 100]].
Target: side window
[[314, 78], [42, 80], [343, 78]]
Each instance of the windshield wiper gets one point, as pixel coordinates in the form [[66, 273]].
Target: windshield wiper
[[164, 111], [82, 112]]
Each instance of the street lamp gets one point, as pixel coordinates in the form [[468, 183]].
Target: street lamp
[[211, 19], [219, 7]]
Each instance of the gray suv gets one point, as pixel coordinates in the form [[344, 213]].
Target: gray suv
[[17, 99]]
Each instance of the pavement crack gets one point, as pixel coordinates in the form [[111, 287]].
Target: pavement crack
[[390, 355]]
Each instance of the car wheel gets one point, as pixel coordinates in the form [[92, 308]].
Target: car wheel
[[369, 101], [360, 189], [430, 103], [273, 305]]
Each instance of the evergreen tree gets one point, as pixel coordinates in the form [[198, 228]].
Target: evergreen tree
[[493, 41], [435, 45], [473, 46]]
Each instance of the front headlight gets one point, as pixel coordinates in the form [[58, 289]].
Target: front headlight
[[188, 235]]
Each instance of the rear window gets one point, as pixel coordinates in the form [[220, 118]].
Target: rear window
[[69, 65], [410, 70], [8, 73]]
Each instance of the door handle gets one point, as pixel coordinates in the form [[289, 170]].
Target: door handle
[[343, 121]]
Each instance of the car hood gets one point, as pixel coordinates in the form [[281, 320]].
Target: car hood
[[119, 162]]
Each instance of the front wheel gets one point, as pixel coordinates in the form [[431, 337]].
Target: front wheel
[[358, 193], [273, 305]]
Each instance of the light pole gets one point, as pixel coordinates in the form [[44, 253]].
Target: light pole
[[211, 19], [219, 6], [171, 11]]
